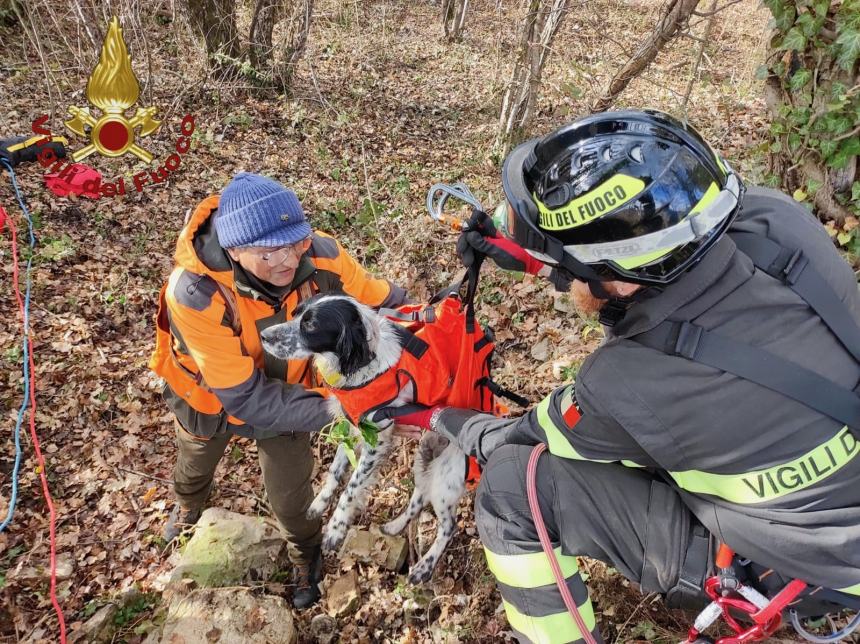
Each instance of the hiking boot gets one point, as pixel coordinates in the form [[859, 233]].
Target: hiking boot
[[178, 521], [307, 578]]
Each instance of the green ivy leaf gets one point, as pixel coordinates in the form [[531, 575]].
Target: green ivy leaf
[[369, 432], [855, 191], [799, 195], [812, 186], [848, 47], [762, 72], [776, 147], [783, 13], [843, 238], [794, 141], [800, 78], [828, 147], [794, 39]]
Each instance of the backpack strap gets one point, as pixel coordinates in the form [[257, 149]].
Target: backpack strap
[[793, 269], [756, 365], [232, 307], [762, 367]]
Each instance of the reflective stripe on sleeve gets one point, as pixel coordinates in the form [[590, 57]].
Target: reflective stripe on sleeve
[[774, 482], [551, 629], [529, 570], [556, 441]]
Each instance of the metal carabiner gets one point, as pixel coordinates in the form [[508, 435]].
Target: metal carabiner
[[438, 196]]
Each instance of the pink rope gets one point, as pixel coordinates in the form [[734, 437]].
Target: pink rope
[[546, 544]]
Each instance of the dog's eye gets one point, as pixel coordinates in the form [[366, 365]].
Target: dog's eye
[[308, 323]]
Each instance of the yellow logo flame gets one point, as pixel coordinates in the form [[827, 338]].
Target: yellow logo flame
[[113, 87]]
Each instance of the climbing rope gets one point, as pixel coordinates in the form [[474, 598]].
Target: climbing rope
[[30, 396]]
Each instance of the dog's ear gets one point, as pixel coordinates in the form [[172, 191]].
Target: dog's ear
[[352, 348]]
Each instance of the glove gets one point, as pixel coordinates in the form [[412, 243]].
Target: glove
[[507, 254], [419, 418]]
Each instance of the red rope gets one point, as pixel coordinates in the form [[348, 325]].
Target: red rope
[[36, 446], [546, 544]]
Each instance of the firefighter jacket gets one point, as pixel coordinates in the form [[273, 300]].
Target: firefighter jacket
[[769, 476], [216, 372]]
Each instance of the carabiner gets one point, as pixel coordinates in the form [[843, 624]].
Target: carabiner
[[438, 196]]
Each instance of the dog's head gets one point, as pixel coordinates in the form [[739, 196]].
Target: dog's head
[[340, 332]]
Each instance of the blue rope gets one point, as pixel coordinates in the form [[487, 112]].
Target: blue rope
[[26, 353]]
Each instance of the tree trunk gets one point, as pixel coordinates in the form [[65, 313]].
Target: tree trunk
[[812, 91], [215, 22], [260, 34], [540, 25], [673, 18], [299, 13], [454, 18]]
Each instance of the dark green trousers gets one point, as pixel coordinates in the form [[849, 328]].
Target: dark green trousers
[[287, 464]]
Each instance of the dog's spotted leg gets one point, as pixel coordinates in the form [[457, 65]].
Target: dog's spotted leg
[[416, 502], [445, 482], [336, 471], [354, 497], [423, 570]]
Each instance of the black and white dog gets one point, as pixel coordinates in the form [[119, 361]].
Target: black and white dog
[[351, 346]]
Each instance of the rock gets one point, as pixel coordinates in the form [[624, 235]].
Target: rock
[[540, 351], [371, 546], [65, 568], [99, 627], [227, 615], [344, 595], [229, 548], [323, 629]]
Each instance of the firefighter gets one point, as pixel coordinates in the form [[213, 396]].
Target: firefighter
[[244, 261], [720, 406]]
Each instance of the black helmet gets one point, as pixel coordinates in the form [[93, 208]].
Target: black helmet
[[632, 195]]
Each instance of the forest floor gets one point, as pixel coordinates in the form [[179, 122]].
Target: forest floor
[[382, 109]]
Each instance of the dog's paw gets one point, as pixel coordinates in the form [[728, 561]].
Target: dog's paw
[[420, 573], [332, 541], [392, 528], [315, 510]]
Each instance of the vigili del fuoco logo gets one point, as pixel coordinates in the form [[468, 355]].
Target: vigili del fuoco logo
[[113, 90]]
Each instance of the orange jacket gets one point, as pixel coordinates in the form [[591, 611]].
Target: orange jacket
[[214, 365]]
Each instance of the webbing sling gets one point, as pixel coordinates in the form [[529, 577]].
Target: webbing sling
[[763, 367]]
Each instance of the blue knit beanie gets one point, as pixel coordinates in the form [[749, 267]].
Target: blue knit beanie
[[257, 211]]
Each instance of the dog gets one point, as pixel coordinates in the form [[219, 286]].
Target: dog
[[352, 346]]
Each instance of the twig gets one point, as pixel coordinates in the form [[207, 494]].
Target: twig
[[848, 134], [695, 71], [144, 475], [647, 597], [370, 199]]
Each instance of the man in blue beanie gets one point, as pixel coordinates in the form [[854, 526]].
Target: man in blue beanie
[[244, 261]]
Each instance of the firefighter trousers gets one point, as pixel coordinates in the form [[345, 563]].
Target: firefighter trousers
[[622, 516], [287, 464]]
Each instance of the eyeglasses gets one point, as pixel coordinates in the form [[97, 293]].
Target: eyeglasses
[[278, 256]]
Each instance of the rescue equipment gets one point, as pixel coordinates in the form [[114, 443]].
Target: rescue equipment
[[20, 149], [446, 353]]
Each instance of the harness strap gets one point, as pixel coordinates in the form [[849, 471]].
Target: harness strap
[[500, 391], [762, 367], [793, 269], [410, 342]]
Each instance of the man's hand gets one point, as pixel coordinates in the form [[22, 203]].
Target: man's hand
[[507, 254]]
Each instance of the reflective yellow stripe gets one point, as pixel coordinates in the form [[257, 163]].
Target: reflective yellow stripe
[[851, 590], [550, 629], [555, 440], [647, 258], [777, 481], [609, 195], [529, 570]]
